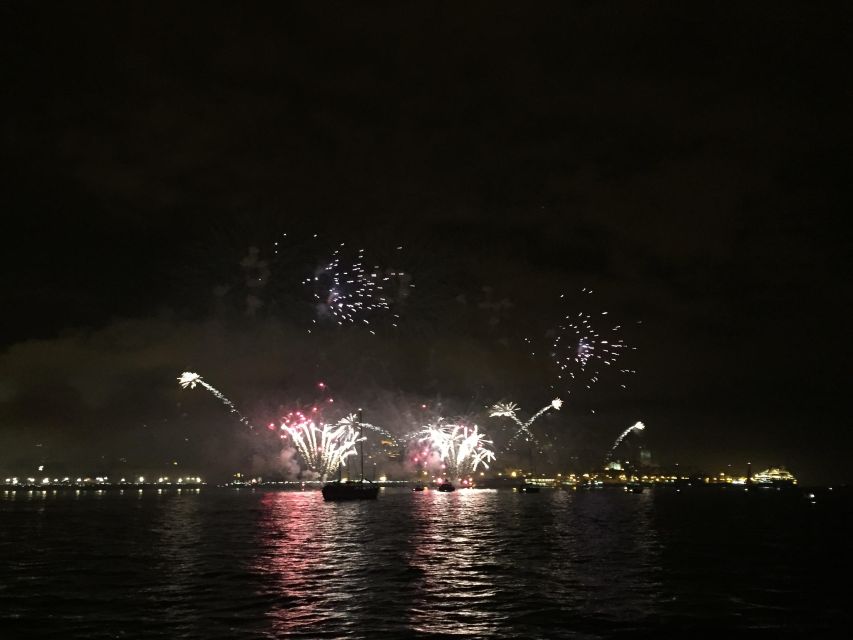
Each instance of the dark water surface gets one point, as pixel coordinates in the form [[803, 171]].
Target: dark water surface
[[222, 563]]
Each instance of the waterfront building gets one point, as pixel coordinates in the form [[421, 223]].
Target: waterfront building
[[775, 476]]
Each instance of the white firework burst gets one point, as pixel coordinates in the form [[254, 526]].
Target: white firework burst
[[462, 448]]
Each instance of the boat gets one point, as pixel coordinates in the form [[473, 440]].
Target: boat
[[418, 487], [446, 486], [360, 489], [527, 488], [350, 490], [634, 487], [591, 484]]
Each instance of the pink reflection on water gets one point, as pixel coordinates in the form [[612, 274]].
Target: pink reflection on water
[[288, 526], [313, 557]]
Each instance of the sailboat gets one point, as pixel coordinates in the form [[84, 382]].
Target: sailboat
[[351, 489]]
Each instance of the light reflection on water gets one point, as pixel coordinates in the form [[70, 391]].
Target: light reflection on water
[[453, 565], [476, 563], [486, 564]]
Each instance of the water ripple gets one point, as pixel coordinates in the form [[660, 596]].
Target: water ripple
[[485, 564]]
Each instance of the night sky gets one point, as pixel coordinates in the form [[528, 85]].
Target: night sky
[[690, 165]]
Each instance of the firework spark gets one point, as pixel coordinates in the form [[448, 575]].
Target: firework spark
[[580, 348], [461, 448], [353, 421], [350, 292], [323, 447], [510, 410], [189, 379], [638, 426]]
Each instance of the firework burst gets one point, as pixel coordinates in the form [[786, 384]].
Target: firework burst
[[189, 379], [583, 345], [638, 426], [324, 448], [353, 421], [462, 449], [510, 410], [348, 291]]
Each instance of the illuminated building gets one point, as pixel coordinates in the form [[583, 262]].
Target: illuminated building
[[776, 476], [391, 449]]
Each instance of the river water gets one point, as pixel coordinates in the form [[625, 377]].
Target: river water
[[226, 563]]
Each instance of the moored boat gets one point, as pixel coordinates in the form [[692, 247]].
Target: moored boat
[[360, 489], [350, 490]]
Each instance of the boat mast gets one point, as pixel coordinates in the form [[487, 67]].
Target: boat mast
[[530, 453], [361, 442]]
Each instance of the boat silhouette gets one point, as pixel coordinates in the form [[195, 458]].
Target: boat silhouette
[[350, 490], [524, 487], [360, 489]]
